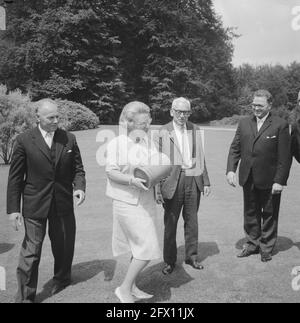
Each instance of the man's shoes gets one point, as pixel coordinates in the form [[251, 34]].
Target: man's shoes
[[246, 252], [57, 288], [265, 257], [168, 269], [195, 264]]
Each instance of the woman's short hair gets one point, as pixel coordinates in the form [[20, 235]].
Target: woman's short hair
[[131, 110]]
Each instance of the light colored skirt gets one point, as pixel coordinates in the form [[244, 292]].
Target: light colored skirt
[[134, 228]]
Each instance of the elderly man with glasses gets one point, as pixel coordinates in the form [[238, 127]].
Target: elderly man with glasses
[[181, 191], [262, 147]]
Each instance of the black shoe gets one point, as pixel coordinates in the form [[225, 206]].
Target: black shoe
[[265, 257], [168, 269], [57, 288], [246, 252], [195, 264]]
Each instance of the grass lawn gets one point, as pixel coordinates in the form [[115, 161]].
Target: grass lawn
[[225, 278]]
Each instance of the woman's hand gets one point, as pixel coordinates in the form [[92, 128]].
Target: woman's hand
[[138, 182]]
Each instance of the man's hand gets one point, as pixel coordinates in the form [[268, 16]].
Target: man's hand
[[277, 189], [207, 191], [231, 179], [16, 220], [80, 195]]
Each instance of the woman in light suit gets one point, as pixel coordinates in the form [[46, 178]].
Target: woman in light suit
[[134, 206]]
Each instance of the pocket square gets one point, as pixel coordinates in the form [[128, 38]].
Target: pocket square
[[273, 137], [69, 151]]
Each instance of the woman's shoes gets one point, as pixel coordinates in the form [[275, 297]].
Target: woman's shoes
[[140, 294], [137, 293], [123, 298]]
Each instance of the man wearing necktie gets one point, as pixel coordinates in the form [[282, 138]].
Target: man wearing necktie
[[296, 132], [46, 173], [262, 147], [181, 191]]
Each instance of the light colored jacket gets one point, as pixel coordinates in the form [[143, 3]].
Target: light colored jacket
[[123, 154], [169, 185]]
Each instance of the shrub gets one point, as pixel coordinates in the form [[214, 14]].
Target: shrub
[[16, 116], [228, 121], [75, 116]]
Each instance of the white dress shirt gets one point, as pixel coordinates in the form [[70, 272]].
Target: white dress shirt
[[48, 136], [260, 122], [184, 146]]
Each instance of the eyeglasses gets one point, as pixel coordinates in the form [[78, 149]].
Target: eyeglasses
[[184, 113], [257, 106]]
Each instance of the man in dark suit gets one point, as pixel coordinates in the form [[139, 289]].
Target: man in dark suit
[[181, 191], [262, 146], [296, 132], [46, 172]]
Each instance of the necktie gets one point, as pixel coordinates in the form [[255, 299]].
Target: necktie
[[48, 139], [185, 149], [259, 124]]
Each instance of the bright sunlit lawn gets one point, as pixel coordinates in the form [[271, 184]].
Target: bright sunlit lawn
[[96, 273]]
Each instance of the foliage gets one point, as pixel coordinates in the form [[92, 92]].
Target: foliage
[[16, 116], [282, 82], [228, 121], [75, 116], [104, 53]]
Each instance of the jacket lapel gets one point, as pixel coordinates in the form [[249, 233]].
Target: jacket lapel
[[40, 143], [173, 137], [254, 126], [192, 144], [264, 127], [59, 141]]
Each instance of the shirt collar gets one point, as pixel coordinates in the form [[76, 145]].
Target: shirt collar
[[176, 127], [263, 119], [44, 133]]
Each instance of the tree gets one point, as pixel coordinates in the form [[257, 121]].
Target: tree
[[104, 53], [65, 49], [188, 54]]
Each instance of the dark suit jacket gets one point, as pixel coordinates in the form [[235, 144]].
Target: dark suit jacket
[[266, 153], [296, 140], [169, 185], [34, 178]]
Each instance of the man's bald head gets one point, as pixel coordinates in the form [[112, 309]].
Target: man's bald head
[[47, 114], [44, 106]]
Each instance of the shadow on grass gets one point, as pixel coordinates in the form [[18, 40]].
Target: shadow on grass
[[5, 247], [283, 244], [297, 244], [155, 283], [81, 273]]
